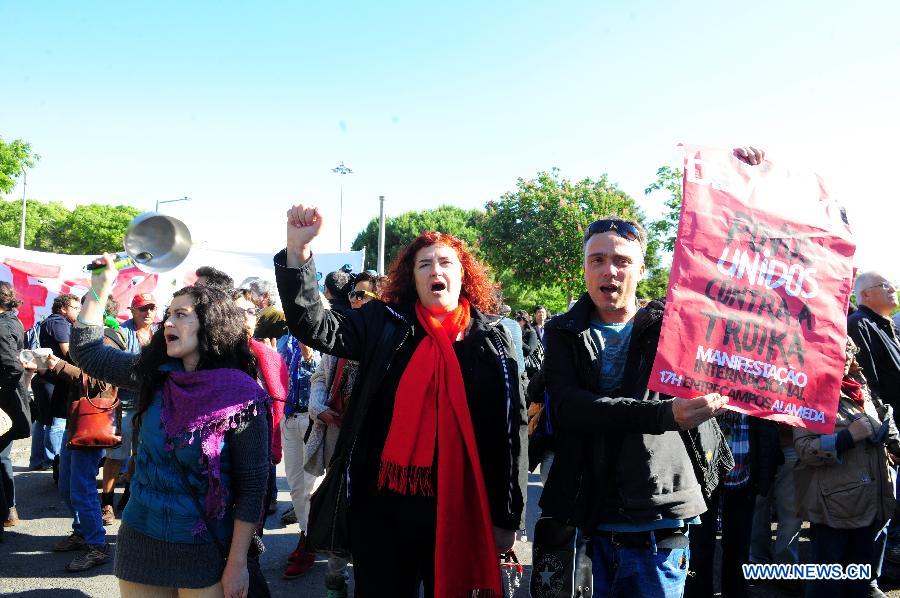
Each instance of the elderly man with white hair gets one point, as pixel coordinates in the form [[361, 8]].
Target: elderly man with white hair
[[270, 323], [872, 329]]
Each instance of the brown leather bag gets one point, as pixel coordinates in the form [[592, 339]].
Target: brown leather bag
[[95, 418]]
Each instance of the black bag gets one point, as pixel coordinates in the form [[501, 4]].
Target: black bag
[[259, 587], [561, 561], [330, 498]]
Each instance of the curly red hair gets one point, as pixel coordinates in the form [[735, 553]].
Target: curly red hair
[[476, 284]]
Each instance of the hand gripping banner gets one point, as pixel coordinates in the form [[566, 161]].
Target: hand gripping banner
[[758, 293]]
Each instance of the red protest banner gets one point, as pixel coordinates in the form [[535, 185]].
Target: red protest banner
[[758, 292]]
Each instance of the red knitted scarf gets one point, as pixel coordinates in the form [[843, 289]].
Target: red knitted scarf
[[431, 407], [853, 389]]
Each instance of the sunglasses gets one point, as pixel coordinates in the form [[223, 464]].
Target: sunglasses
[[624, 229], [360, 295], [249, 310], [146, 308]]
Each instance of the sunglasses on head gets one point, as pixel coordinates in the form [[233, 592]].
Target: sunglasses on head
[[622, 228], [360, 295]]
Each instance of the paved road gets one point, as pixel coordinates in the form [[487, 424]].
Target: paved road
[[29, 568]]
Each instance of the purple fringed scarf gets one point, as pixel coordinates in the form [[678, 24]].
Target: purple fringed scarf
[[207, 402]]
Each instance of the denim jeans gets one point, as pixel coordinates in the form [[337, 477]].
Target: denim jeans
[[844, 546], [46, 442], [78, 488], [621, 572]]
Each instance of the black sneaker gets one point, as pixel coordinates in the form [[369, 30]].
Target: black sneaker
[[91, 558]]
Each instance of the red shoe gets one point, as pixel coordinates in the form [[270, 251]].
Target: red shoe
[[299, 564], [300, 560], [299, 550]]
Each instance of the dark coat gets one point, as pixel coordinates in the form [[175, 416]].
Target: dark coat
[[621, 458], [373, 335], [13, 394], [879, 353]]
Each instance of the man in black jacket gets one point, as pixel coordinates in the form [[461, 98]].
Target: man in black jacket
[[874, 333], [633, 468]]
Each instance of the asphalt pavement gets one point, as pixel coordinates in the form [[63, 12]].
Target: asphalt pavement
[[29, 567]]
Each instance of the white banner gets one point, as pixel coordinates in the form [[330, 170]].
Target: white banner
[[39, 277]]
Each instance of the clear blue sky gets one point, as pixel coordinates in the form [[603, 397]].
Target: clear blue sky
[[247, 107]]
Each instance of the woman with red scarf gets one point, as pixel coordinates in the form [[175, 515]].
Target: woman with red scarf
[[845, 484], [429, 448]]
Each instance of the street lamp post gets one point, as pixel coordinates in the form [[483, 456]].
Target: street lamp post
[[22, 227], [185, 198], [341, 169]]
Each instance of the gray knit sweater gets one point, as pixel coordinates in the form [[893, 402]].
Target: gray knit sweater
[[146, 560]]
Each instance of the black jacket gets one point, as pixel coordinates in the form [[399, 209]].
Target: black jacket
[[879, 353], [621, 459], [13, 395], [373, 335]]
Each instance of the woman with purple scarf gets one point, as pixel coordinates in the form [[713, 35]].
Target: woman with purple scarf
[[201, 420]]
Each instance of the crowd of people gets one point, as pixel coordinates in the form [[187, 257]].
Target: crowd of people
[[408, 410]]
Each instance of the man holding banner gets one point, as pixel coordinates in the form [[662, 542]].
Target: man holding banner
[[633, 467]]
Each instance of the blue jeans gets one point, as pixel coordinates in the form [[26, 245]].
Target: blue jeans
[[46, 442], [621, 572], [78, 488]]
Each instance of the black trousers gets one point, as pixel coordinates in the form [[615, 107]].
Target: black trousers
[[862, 546], [392, 539], [737, 524]]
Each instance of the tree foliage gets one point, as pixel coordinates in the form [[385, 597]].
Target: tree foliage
[[88, 229], [535, 233], [400, 230], [667, 179], [520, 294], [15, 156]]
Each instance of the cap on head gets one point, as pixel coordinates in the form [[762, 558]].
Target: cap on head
[[143, 299]]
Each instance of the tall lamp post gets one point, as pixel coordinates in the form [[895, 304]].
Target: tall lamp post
[[185, 198], [22, 227], [341, 169]]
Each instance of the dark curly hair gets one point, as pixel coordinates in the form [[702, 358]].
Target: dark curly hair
[[223, 343], [476, 284], [8, 298]]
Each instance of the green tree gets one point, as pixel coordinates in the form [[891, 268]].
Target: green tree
[[15, 157], [96, 228], [89, 229], [536, 231], [400, 230], [666, 229], [43, 223], [519, 294]]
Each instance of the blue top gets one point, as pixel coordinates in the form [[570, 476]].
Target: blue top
[[613, 340], [648, 526], [515, 331], [300, 373], [160, 506]]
